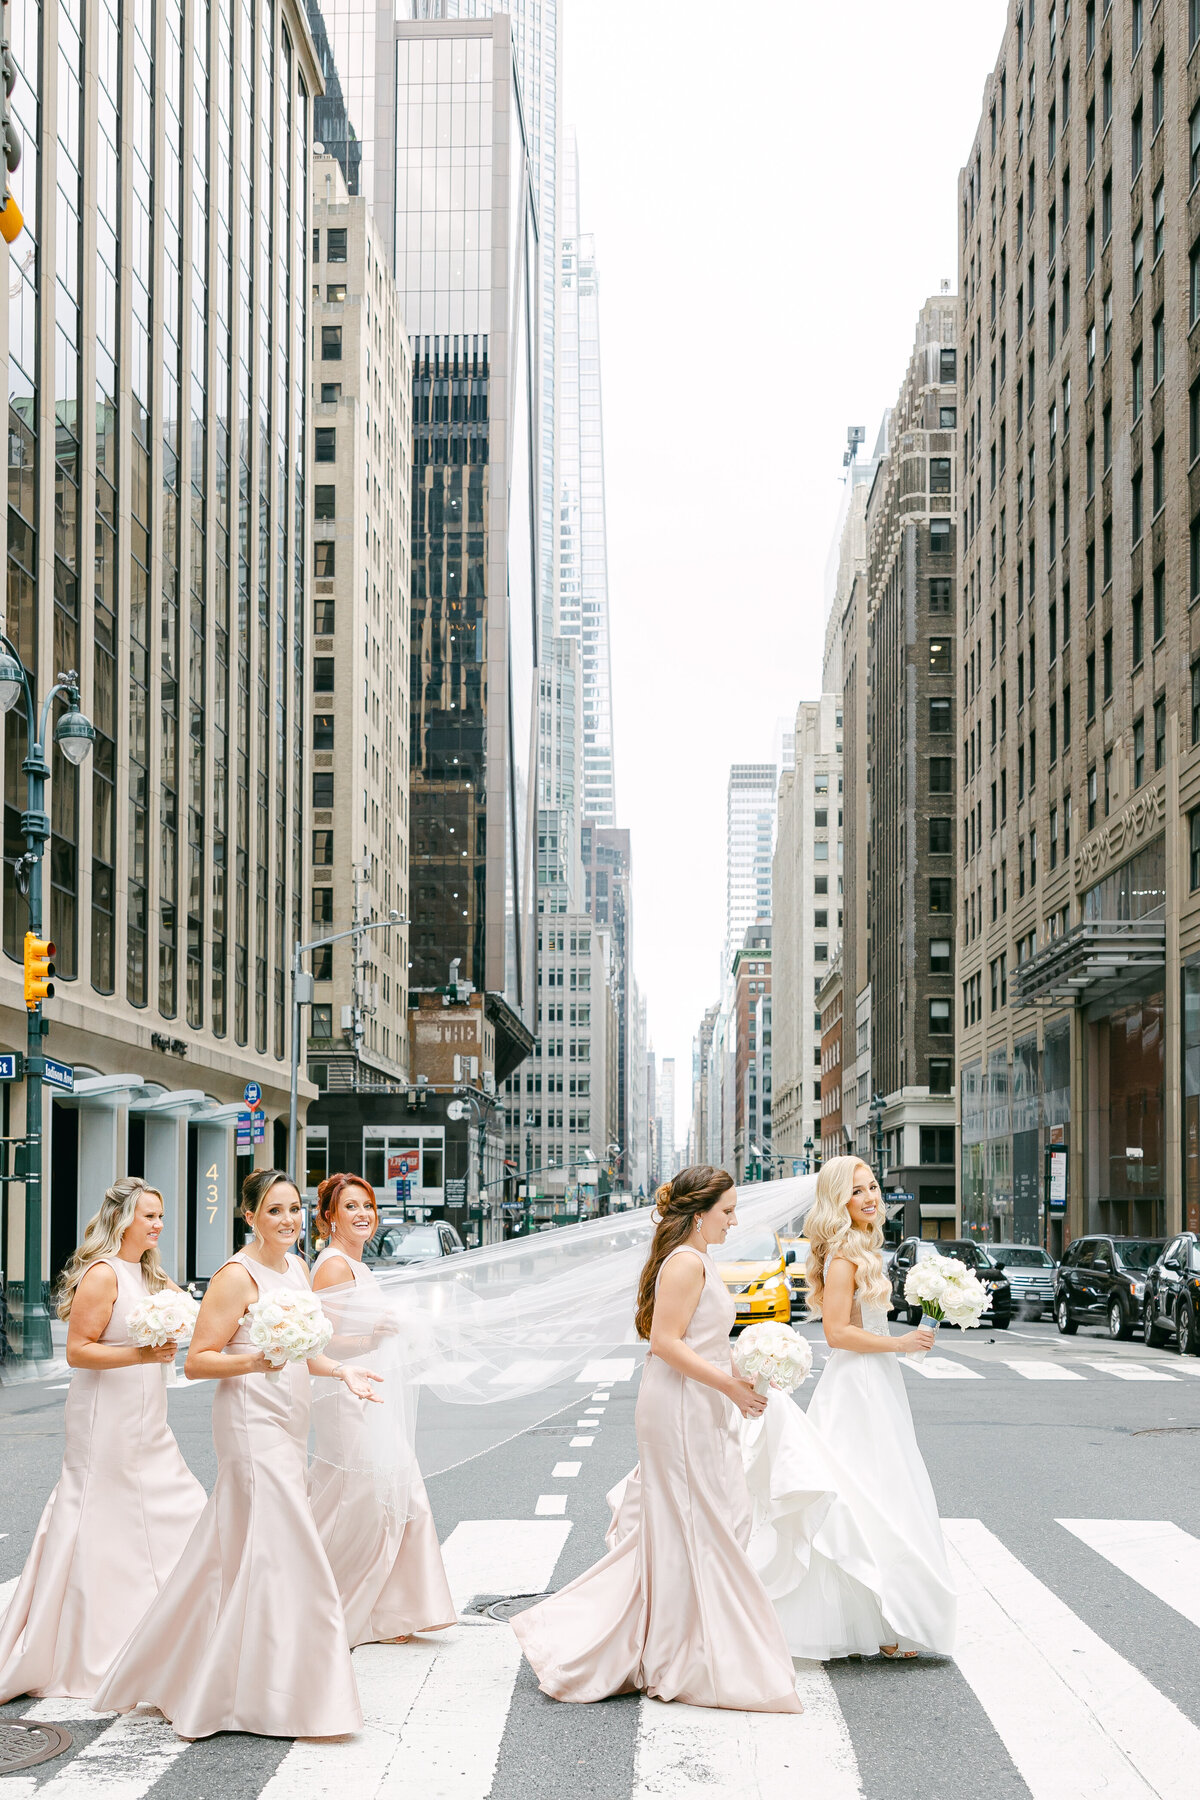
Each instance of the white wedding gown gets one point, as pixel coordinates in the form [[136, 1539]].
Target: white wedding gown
[[846, 1536]]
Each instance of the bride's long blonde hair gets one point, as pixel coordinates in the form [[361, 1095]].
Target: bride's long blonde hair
[[831, 1232], [102, 1236]]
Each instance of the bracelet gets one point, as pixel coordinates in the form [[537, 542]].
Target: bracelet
[[338, 1370]]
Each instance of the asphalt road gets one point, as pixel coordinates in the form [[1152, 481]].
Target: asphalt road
[[1077, 1664]]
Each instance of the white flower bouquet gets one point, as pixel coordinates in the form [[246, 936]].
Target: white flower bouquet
[[162, 1317], [945, 1288], [772, 1356], [288, 1327]]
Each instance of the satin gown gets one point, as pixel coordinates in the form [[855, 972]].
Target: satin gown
[[675, 1610], [248, 1633], [847, 1537], [388, 1569], [113, 1528]]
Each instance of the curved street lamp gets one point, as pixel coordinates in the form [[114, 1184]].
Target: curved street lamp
[[74, 734]]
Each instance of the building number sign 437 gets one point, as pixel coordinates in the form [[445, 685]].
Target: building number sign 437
[[212, 1193]]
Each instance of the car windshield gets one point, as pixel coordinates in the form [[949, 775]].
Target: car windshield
[[754, 1246], [974, 1255], [1022, 1256], [408, 1241], [1138, 1253]]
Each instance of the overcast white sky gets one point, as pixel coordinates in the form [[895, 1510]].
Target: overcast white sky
[[772, 189]]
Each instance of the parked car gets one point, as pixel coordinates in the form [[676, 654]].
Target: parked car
[[397, 1243], [1171, 1304], [1030, 1271], [799, 1247], [1102, 1281], [977, 1259]]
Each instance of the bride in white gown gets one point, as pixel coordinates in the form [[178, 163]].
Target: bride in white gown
[[847, 1538]]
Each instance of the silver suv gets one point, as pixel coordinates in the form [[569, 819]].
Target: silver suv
[[1030, 1271]]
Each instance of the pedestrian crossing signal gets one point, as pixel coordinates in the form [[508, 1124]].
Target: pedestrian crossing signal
[[39, 970]]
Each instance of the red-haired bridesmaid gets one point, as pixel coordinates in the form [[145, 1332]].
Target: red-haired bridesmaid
[[388, 1567]]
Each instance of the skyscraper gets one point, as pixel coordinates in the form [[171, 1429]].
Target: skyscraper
[[749, 843], [158, 543], [583, 541]]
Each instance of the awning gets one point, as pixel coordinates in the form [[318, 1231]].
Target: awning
[[1094, 962]]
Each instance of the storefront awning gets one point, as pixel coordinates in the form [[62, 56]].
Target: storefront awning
[[1096, 961]]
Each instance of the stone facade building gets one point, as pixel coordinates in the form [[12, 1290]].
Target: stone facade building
[[831, 1003], [1079, 644], [912, 774]]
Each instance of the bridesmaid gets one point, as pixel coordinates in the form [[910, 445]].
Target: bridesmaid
[[388, 1569], [125, 1503], [252, 1611], [675, 1609]]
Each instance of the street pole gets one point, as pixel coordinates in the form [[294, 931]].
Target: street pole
[[74, 734], [302, 994]]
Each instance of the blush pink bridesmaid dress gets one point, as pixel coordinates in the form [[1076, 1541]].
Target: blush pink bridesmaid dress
[[112, 1530], [675, 1609], [248, 1634], [389, 1570]]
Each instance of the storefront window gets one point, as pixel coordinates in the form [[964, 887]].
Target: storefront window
[[1125, 1160], [1027, 1198], [974, 1209], [1134, 891]]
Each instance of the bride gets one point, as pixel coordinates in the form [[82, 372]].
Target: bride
[[847, 1538]]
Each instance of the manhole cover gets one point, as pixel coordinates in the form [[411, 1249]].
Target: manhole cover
[[1168, 1431], [24, 1742], [504, 1610], [551, 1431]]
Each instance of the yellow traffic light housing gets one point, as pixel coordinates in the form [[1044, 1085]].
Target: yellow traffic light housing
[[12, 220], [39, 970]]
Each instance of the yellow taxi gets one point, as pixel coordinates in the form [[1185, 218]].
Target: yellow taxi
[[792, 1241], [753, 1266]]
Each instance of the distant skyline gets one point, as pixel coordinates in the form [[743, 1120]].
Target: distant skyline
[[749, 318]]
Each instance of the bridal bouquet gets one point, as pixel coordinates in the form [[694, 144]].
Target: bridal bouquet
[[945, 1288], [162, 1317], [288, 1327], [772, 1356]]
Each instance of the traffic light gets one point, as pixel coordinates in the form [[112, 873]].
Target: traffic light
[[39, 970]]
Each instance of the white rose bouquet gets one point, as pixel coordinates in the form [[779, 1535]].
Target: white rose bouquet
[[772, 1356], [945, 1288], [161, 1318], [288, 1327]]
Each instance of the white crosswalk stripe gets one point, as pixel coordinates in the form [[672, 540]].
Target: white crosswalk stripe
[[1075, 1717], [940, 1368], [1131, 1371], [1044, 1371], [1153, 1552]]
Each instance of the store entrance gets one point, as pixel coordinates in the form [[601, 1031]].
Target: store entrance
[[1125, 1178]]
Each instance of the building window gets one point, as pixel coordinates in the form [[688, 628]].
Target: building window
[[1054, 837], [940, 1022], [940, 715], [939, 593], [325, 444], [1091, 684], [1160, 602], [1139, 752], [1158, 476], [940, 892], [941, 837], [1194, 847], [939, 474], [331, 392], [335, 292], [322, 906], [323, 674], [1138, 388], [324, 614], [940, 1075], [939, 537], [1194, 129], [1160, 732], [1194, 285], [948, 367], [1157, 94], [1158, 350], [322, 790], [947, 417], [1108, 786], [939, 656], [335, 244], [322, 1022], [939, 956], [324, 501], [1194, 559], [322, 731], [941, 775], [324, 559], [937, 1144], [1160, 221], [1136, 623], [1135, 506], [322, 849], [331, 343], [1091, 798], [1108, 665], [1196, 701]]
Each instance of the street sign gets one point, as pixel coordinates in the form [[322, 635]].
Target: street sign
[[456, 1193], [252, 1094], [60, 1075], [10, 1067], [258, 1125], [1056, 1180], [243, 1133], [403, 1190]]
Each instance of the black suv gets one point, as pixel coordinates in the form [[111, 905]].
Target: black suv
[[1102, 1281], [1172, 1300], [912, 1250]]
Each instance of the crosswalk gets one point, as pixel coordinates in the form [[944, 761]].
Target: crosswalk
[[1073, 1714], [1050, 1368]]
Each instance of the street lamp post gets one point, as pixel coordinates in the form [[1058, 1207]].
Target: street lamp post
[[302, 993], [808, 1150], [74, 734]]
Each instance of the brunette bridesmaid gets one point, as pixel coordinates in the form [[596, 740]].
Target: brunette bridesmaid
[[387, 1563], [675, 1609], [236, 1636], [125, 1503]]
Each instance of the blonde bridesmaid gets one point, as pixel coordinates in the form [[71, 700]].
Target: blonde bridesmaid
[[675, 1609], [388, 1566], [248, 1634], [125, 1502]]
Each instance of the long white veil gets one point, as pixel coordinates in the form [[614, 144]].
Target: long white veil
[[494, 1326]]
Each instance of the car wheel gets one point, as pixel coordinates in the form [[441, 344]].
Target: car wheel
[[1118, 1326], [1000, 1324], [1186, 1330], [1151, 1333], [1066, 1323]]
